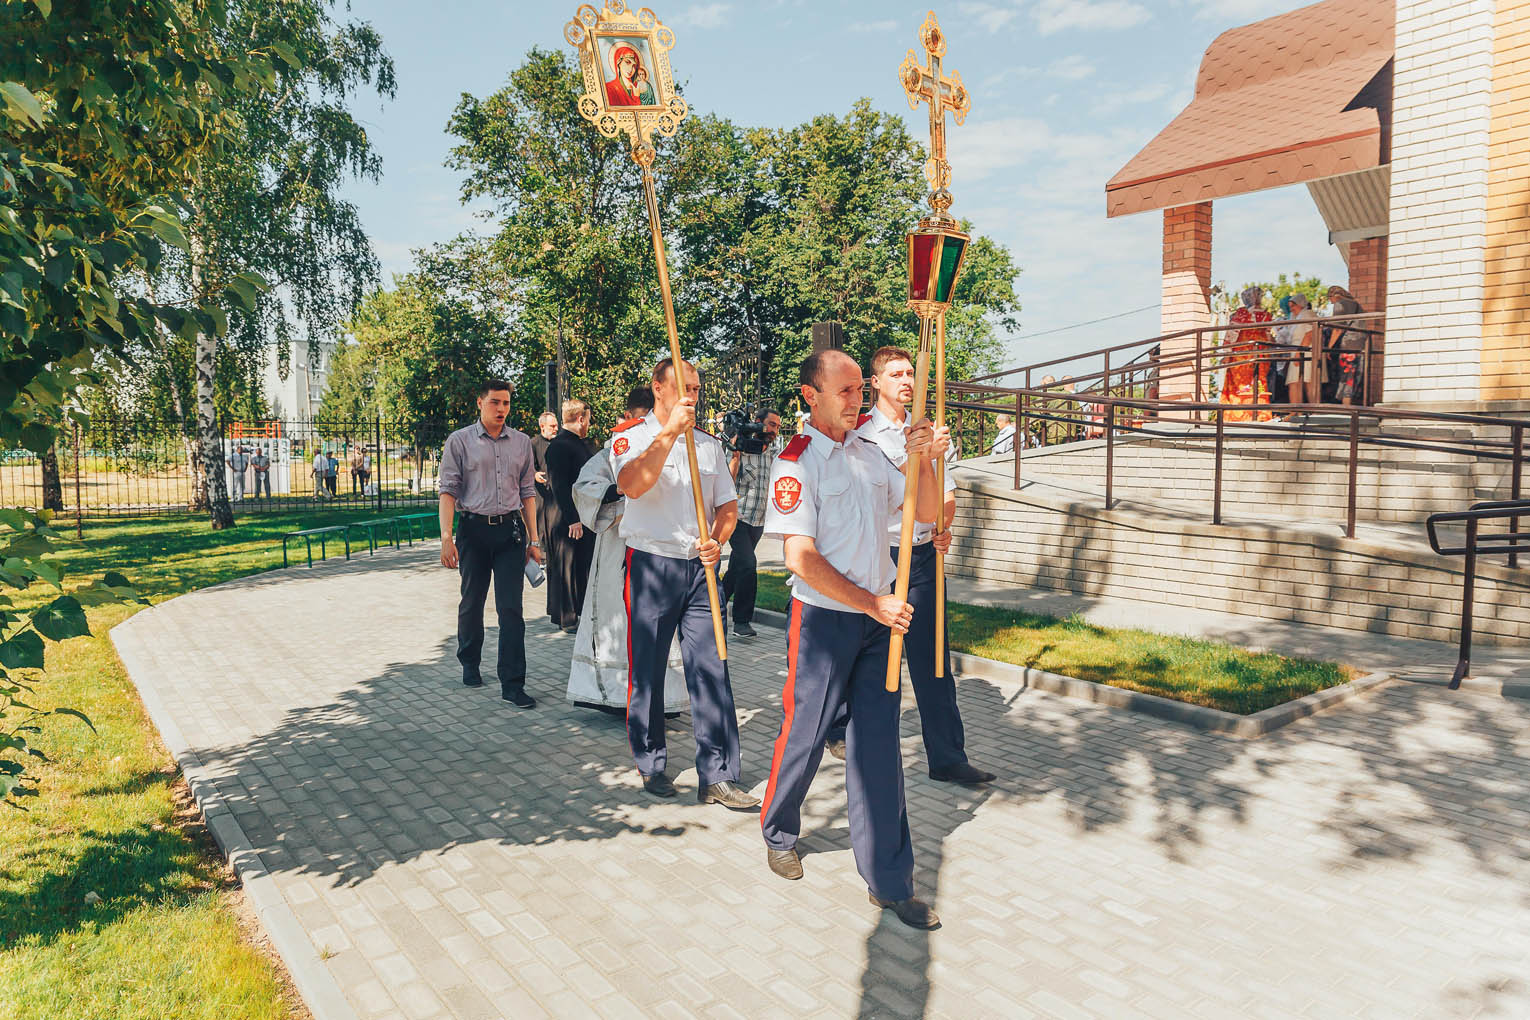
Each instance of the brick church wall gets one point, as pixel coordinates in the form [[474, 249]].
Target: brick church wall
[[1506, 298], [1442, 111]]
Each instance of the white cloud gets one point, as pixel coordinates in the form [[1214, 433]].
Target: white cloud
[[1238, 12], [873, 26], [989, 16], [1120, 99], [1070, 68], [1057, 15], [704, 15]]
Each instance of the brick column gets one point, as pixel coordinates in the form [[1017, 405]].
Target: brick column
[[1186, 300], [1368, 282]]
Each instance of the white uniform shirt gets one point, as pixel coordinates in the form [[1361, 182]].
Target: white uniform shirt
[[842, 496], [663, 520], [888, 435]]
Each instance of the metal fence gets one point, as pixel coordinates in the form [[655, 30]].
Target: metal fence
[[119, 467]]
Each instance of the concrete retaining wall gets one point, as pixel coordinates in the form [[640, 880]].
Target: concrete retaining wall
[[1285, 573]]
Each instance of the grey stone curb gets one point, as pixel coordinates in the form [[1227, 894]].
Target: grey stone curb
[[1198, 716], [1479, 685], [310, 975]]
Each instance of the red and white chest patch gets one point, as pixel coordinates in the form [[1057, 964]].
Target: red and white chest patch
[[787, 494], [621, 446]]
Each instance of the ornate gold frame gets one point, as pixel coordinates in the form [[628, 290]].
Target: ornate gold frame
[[639, 123]]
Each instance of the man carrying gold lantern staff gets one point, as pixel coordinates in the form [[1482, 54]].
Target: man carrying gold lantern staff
[[833, 493], [892, 388]]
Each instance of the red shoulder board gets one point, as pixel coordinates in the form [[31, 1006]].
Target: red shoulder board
[[796, 446], [863, 419], [627, 424]]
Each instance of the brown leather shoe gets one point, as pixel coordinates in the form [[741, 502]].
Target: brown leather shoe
[[836, 748], [785, 863], [728, 795], [912, 912]]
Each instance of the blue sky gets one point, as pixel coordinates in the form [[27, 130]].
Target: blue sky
[[1064, 92]]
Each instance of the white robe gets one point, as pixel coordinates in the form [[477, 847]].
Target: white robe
[[598, 673]]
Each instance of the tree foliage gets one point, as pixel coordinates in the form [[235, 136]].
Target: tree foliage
[[1225, 301], [768, 231], [106, 112], [266, 205]]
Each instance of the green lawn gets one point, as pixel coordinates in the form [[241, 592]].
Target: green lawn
[[111, 820], [1208, 673]]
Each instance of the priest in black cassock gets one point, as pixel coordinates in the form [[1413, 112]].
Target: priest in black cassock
[[570, 545], [547, 427]]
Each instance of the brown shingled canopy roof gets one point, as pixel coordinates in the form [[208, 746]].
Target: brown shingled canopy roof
[[1290, 99]]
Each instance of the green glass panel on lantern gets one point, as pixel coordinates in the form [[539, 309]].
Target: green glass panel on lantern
[[950, 264]]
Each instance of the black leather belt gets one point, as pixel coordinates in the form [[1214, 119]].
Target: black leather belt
[[490, 519]]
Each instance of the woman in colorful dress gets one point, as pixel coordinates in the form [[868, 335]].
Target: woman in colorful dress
[[1246, 379]]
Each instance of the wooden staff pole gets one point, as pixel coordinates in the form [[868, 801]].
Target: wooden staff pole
[[940, 488], [910, 501], [652, 199]]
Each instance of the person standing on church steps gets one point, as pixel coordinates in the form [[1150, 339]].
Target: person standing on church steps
[[892, 385], [666, 585], [487, 478], [833, 495], [570, 545]]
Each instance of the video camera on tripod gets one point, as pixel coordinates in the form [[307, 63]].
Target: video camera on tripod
[[743, 428]]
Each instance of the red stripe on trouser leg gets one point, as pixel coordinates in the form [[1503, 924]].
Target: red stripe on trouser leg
[[788, 701], [627, 602]]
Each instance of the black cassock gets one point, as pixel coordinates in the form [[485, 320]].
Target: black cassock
[[544, 494], [568, 560]]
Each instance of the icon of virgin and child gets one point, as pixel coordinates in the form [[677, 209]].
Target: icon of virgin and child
[[631, 84]]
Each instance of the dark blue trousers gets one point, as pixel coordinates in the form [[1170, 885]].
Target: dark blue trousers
[[662, 594], [834, 659], [945, 741]]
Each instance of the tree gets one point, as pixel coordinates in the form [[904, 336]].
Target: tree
[[106, 111], [269, 206], [572, 256], [1226, 301], [425, 352], [768, 232]]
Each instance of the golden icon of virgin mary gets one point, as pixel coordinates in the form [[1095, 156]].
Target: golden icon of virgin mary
[[630, 84]]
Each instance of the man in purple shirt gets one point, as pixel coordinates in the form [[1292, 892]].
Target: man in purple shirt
[[487, 479]]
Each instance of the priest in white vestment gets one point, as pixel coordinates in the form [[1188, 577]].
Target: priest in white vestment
[[598, 674]]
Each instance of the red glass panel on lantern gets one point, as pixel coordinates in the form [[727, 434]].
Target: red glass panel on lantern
[[922, 249]]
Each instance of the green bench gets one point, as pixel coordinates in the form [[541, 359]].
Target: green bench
[[371, 526], [424, 519], [322, 534], [400, 528]]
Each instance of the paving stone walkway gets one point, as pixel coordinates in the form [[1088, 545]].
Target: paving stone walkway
[[446, 855]]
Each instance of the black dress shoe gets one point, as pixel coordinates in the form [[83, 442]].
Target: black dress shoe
[[476, 681], [659, 785], [728, 795], [964, 774], [517, 696], [912, 912], [744, 630], [785, 863], [836, 748]]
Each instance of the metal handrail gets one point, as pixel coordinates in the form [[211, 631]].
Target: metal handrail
[[1507, 543], [1105, 414]]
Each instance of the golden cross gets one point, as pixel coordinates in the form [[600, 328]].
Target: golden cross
[[944, 94]]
